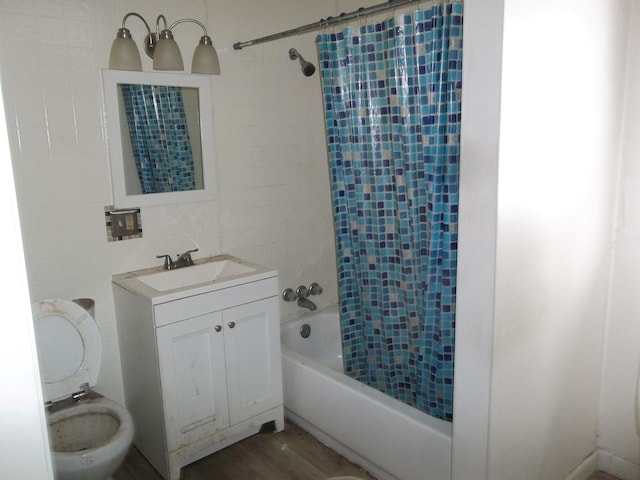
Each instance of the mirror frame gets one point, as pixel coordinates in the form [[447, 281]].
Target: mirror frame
[[111, 80]]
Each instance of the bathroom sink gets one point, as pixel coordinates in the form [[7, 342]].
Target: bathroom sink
[[195, 274], [206, 275]]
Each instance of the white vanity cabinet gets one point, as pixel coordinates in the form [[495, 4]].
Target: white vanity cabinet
[[201, 367], [217, 370]]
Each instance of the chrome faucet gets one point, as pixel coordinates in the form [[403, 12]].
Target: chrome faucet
[[182, 260], [302, 293]]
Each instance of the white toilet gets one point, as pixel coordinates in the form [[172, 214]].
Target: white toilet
[[89, 434]]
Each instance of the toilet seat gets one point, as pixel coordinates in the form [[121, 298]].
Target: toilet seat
[[69, 347]]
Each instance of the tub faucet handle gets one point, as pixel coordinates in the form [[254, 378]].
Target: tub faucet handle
[[289, 295], [302, 292], [315, 289]]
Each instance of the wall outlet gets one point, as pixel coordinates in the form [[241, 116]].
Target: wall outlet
[[123, 224]]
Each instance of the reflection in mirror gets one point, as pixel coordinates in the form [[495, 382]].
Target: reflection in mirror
[[155, 124], [160, 138]]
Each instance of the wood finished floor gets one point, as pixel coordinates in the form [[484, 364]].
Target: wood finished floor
[[292, 454]]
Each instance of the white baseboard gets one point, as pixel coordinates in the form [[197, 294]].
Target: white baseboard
[[618, 466], [607, 462], [586, 468]]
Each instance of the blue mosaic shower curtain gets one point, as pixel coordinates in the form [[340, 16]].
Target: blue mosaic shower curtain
[[159, 137], [392, 108]]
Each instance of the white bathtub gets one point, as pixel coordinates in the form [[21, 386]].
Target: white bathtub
[[388, 438]]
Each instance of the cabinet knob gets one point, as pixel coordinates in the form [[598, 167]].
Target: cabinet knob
[[217, 328], [231, 324]]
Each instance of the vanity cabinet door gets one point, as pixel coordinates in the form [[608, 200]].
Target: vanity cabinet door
[[192, 371], [252, 344]]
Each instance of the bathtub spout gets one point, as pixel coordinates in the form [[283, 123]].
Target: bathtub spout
[[306, 303]]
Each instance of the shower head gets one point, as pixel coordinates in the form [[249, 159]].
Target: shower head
[[307, 67]]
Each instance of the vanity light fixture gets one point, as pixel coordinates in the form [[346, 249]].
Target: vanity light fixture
[[161, 46]]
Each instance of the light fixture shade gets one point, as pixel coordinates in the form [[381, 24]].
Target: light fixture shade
[[205, 58], [166, 55], [124, 53]]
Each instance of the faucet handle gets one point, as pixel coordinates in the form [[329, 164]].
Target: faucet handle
[[186, 256], [168, 263], [289, 295], [302, 291], [315, 289], [188, 253]]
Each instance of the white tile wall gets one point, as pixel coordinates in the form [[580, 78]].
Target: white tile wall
[[274, 203], [274, 199]]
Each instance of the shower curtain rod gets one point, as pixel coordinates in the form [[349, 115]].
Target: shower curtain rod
[[326, 22]]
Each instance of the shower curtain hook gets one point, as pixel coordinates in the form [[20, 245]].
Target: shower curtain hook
[[324, 26], [361, 19]]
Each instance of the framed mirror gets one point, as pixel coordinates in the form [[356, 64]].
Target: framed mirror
[[160, 136]]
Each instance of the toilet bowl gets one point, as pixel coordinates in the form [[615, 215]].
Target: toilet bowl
[[89, 433], [90, 439]]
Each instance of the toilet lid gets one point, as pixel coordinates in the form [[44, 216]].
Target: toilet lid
[[69, 347]]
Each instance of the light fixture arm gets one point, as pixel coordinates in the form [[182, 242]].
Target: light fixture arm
[[149, 41], [182, 20], [135, 15], [205, 39], [164, 20]]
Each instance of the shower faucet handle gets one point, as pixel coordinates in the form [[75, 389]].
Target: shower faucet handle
[[289, 295], [302, 292], [315, 289]]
